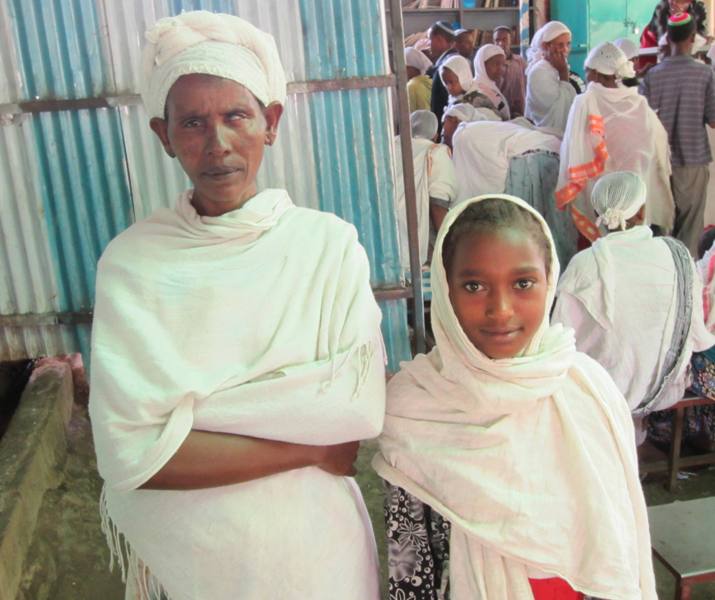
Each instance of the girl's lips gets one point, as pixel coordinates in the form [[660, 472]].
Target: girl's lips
[[501, 334]]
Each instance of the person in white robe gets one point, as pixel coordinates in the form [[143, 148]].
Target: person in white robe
[[530, 457], [613, 128], [634, 301], [236, 352], [435, 184], [463, 113], [489, 71], [549, 92]]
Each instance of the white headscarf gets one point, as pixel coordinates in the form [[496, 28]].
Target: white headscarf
[[418, 60], [628, 47], [484, 83], [609, 59], [525, 456], [214, 44], [546, 34], [460, 67], [467, 113], [617, 197], [424, 124]]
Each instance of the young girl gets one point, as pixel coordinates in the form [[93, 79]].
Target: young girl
[[489, 71], [510, 456], [456, 75]]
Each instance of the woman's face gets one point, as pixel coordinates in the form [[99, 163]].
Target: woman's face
[[451, 82], [496, 67], [217, 130], [560, 46], [498, 287], [677, 6]]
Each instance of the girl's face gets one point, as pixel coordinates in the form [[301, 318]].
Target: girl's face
[[498, 287], [496, 67], [451, 82]]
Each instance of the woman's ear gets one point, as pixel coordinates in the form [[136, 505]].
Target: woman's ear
[[161, 128], [272, 115]]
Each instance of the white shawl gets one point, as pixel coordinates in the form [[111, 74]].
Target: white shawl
[[260, 322], [460, 67], [614, 129], [482, 151], [621, 297], [484, 84], [434, 178], [548, 99], [532, 459]]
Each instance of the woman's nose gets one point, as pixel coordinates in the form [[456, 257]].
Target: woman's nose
[[218, 142]]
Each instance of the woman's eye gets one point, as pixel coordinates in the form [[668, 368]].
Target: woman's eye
[[524, 284], [236, 116], [190, 123], [472, 286]]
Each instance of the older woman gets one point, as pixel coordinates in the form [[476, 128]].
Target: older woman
[[236, 351], [549, 91]]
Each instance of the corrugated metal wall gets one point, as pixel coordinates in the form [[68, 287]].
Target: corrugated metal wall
[[73, 179]]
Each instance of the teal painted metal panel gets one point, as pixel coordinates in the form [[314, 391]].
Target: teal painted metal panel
[[395, 333], [85, 195], [60, 49], [222, 6]]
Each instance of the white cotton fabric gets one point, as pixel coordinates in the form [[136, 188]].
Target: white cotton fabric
[[467, 113], [548, 99], [424, 124], [418, 60], [549, 32], [706, 270], [241, 324], [609, 59], [628, 47], [484, 83], [460, 67], [213, 44], [635, 140], [482, 150], [434, 178], [617, 197], [619, 296], [526, 457]]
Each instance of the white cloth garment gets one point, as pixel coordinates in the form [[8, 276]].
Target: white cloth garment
[[242, 324], [423, 124], [548, 99], [482, 150], [620, 297], [214, 44], [460, 67], [418, 60], [617, 197], [531, 459], [434, 178], [484, 83], [628, 47], [609, 59], [466, 113], [614, 129]]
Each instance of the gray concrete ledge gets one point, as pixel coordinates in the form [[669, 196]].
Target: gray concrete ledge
[[31, 453]]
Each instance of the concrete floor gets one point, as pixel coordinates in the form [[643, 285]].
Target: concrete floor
[[69, 559]]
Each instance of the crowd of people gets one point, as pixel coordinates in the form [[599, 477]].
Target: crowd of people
[[237, 359]]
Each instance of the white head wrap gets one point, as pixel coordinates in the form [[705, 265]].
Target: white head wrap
[[546, 34], [609, 59], [423, 124], [213, 44], [484, 53], [628, 47], [460, 67], [418, 60], [468, 114], [617, 197]]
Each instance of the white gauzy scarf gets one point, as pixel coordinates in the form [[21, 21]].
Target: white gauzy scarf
[[532, 459], [259, 322], [484, 83], [614, 129]]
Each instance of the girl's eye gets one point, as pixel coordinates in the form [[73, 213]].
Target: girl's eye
[[472, 286], [524, 284]]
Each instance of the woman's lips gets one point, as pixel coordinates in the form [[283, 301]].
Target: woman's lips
[[219, 173]]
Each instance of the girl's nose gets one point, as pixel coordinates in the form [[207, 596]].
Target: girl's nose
[[499, 305]]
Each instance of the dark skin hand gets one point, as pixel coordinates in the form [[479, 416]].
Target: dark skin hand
[[560, 63], [437, 213], [208, 459]]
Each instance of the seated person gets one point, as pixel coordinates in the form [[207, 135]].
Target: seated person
[[435, 184], [489, 69], [419, 85], [612, 128], [634, 301]]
